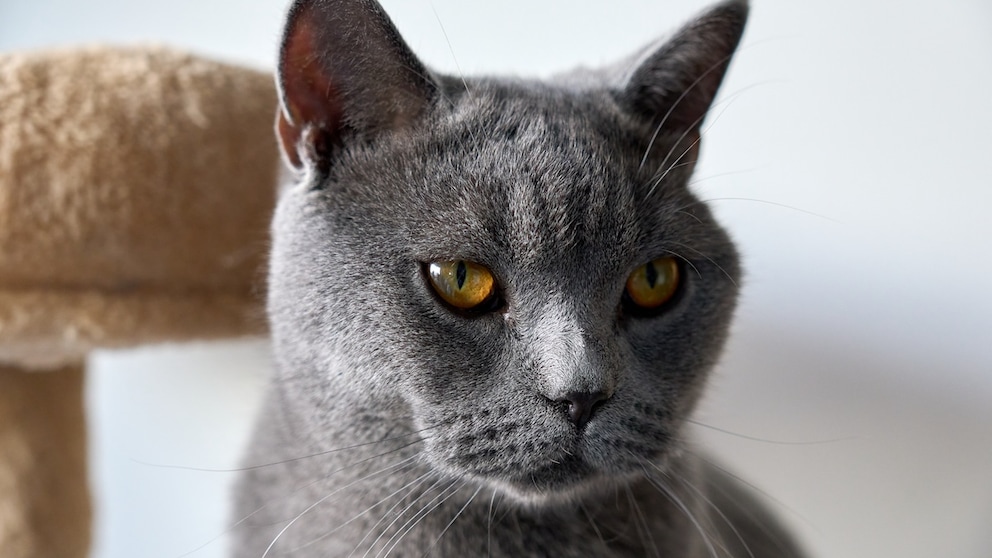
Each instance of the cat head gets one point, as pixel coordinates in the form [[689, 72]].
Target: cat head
[[516, 269]]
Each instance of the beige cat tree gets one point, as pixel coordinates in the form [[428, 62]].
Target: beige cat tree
[[135, 192]]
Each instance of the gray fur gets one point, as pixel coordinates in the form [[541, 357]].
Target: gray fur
[[395, 424]]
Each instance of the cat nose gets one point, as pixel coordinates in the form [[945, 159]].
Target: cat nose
[[581, 405]]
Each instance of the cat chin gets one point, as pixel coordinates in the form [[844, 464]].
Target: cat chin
[[563, 495], [561, 490]]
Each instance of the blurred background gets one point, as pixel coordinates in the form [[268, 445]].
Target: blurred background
[[849, 156]]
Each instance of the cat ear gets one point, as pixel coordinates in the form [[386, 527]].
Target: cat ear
[[675, 84], [344, 70]]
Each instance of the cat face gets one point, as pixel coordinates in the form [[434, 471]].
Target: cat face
[[564, 379]]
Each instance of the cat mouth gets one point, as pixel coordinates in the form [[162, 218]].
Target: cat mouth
[[554, 478], [572, 473]]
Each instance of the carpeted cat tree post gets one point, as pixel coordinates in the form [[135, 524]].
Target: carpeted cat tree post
[[135, 192]]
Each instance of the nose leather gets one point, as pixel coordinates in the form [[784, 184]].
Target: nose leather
[[581, 406]]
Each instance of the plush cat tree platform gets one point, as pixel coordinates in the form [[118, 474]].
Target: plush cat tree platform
[[136, 187]]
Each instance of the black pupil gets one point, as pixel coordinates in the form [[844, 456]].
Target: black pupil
[[460, 273], [652, 274]]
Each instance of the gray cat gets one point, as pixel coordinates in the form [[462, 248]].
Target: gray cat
[[494, 304]]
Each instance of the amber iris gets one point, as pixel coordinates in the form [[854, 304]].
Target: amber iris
[[654, 283], [462, 284]]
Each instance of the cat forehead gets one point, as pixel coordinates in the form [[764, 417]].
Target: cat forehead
[[531, 168], [513, 171], [532, 114]]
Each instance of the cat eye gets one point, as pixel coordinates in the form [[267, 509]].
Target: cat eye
[[653, 284], [464, 285]]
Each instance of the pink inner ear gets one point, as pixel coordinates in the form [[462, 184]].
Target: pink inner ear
[[311, 103]]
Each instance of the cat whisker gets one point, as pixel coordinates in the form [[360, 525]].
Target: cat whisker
[[259, 509], [408, 527], [713, 67], [719, 512], [642, 525], [409, 487], [327, 497], [592, 523], [767, 440], [461, 75], [709, 177], [292, 459], [395, 519], [444, 96], [690, 215], [687, 261], [357, 463], [675, 164], [659, 177], [730, 98], [726, 102], [453, 519], [707, 258], [767, 529], [740, 52], [751, 486], [499, 518], [489, 529], [447, 40], [667, 491], [767, 202]]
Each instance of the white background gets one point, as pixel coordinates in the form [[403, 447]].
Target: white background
[[853, 163]]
